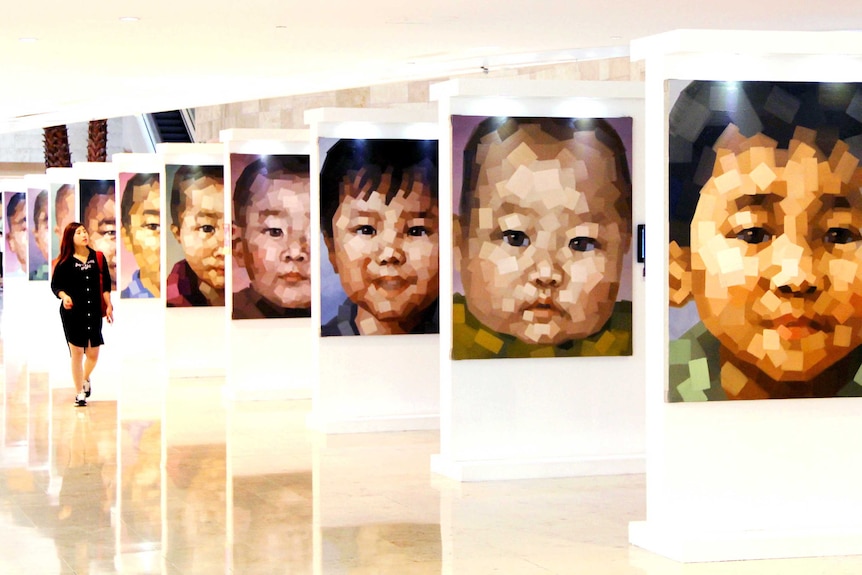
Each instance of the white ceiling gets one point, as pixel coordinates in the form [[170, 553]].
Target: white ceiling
[[86, 63]]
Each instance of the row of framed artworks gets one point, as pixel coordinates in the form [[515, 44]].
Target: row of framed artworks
[[379, 225], [765, 219]]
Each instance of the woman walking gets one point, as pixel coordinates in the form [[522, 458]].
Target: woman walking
[[83, 283]]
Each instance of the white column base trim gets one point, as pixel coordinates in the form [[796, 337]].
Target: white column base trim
[[373, 424], [689, 544], [538, 468]]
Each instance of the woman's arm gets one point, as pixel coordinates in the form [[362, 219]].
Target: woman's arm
[[59, 282], [58, 285], [109, 307]]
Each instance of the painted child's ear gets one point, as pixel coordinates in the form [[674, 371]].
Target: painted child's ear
[[456, 242], [679, 274], [330, 251], [236, 244], [175, 229]]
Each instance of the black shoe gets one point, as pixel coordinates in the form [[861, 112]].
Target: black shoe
[[81, 400], [87, 388]]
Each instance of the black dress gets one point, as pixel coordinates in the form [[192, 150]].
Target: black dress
[[83, 323]]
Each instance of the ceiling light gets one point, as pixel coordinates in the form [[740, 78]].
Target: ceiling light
[[129, 19], [27, 40]]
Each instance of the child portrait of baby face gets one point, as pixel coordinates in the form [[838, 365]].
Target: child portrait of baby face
[[99, 216], [543, 254], [40, 222], [770, 249], [200, 231], [141, 231], [63, 215], [386, 252], [16, 227], [775, 259], [274, 238]]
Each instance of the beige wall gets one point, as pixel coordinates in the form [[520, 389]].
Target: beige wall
[[288, 112]]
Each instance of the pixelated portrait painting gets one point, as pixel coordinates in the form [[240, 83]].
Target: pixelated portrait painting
[[37, 209], [98, 213], [140, 235], [543, 235], [196, 245], [765, 249], [380, 237], [15, 264], [63, 199], [270, 236]]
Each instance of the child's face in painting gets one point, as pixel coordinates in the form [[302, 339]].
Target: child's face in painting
[[776, 259], [543, 255], [274, 240], [17, 233], [100, 218], [64, 210], [143, 235], [40, 228], [386, 255], [201, 230]]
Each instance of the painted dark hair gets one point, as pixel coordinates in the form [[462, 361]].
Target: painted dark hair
[[40, 206], [67, 243], [270, 167], [15, 199], [90, 189], [561, 129], [704, 109], [189, 173], [128, 199], [401, 159]]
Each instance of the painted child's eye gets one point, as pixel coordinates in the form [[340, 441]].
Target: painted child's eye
[[754, 235], [516, 238], [274, 232], [840, 236], [583, 244], [365, 230], [417, 231], [208, 229]]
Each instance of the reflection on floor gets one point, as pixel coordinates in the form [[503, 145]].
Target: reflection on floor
[[181, 481]]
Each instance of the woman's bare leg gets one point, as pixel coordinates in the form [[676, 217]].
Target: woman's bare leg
[[90, 361], [77, 367]]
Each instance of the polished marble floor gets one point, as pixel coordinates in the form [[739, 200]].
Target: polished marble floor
[[176, 479]]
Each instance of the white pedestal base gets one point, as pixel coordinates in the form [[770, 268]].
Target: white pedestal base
[[688, 545], [374, 424], [251, 391], [539, 468]]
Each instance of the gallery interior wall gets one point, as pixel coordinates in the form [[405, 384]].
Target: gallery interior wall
[[287, 112]]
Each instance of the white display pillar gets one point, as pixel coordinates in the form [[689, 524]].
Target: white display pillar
[[105, 378], [52, 341], [532, 417], [368, 383], [194, 336], [747, 479], [42, 307], [22, 325], [139, 323], [269, 358]]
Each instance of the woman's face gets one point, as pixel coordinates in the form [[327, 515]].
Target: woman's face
[[81, 238]]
